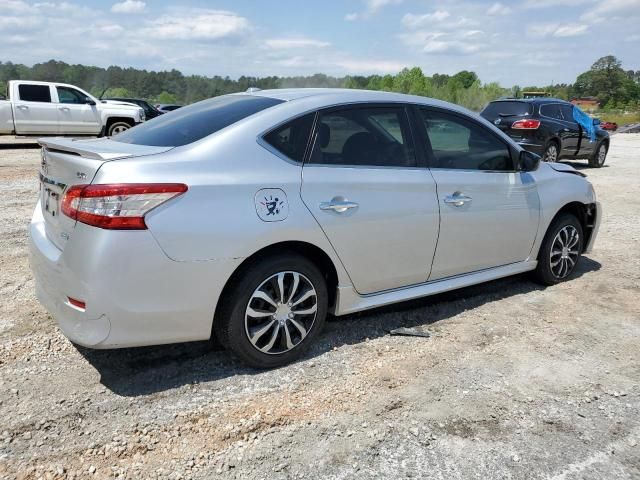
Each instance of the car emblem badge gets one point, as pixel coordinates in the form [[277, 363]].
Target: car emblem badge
[[271, 204], [497, 122]]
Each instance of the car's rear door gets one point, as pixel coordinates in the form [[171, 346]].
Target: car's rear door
[[563, 126], [75, 115], [488, 211], [374, 201], [33, 110]]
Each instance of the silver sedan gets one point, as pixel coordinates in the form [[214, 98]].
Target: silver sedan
[[249, 217]]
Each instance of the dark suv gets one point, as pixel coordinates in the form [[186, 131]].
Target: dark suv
[[546, 126]]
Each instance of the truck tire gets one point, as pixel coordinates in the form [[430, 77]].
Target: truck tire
[[117, 127]]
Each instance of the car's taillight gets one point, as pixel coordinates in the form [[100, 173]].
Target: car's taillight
[[118, 206], [526, 125]]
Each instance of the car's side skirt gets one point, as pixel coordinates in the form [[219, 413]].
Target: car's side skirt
[[349, 301]]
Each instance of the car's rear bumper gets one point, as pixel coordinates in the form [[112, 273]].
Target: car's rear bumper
[[134, 294]]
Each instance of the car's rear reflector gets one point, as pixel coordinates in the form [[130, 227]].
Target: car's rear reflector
[[526, 125], [118, 206]]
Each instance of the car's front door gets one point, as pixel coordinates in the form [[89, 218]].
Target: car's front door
[[584, 146], [377, 206], [34, 113], [75, 115], [489, 212]]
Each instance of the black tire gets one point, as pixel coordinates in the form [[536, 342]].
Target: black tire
[[232, 331], [546, 272], [548, 155], [599, 155], [117, 127]]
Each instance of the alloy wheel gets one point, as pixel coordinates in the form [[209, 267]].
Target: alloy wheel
[[564, 251], [602, 154], [281, 312], [551, 154], [118, 129]]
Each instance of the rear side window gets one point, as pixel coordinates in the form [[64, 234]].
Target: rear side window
[[567, 112], [364, 136], [292, 138], [551, 110], [506, 109], [458, 143], [34, 93], [194, 122]]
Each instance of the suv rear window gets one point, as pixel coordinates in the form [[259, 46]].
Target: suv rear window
[[194, 122], [504, 109]]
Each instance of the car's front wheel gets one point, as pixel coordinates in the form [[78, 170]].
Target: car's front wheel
[[560, 250], [117, 127], [273, 311]]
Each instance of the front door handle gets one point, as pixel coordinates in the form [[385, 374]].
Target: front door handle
[[338, 206], [457, 199], [64, 109], [23, 107]]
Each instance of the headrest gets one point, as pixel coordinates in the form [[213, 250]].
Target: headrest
[[324, 135]]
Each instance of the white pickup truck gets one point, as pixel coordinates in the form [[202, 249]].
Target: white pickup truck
[[54, 109]]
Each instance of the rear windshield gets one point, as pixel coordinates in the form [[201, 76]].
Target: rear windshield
[[189, 124], [505, 109]]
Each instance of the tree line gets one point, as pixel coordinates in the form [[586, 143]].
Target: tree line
[[606, 80]]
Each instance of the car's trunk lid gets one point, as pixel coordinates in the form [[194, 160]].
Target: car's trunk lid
[[67, 162], [503, 113]]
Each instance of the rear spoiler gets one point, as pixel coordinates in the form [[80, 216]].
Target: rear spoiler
[[103, 149]]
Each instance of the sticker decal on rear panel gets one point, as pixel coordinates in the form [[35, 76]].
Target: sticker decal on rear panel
[[272, 204]]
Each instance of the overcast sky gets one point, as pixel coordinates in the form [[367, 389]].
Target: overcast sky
[[528, 42]]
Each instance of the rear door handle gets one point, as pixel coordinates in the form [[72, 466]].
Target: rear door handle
[[457, 199], [23, 107], [64, 109], [338, 206]]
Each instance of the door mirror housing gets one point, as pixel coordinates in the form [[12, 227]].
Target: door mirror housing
[[528, 161], [89, 101]]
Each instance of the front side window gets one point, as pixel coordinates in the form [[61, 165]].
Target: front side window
[[458, 143], [364, 136], [292, 138], [34, 93], [70, 95], [194, 122]]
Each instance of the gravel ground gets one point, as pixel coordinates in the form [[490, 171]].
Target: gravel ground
[[516, 381]]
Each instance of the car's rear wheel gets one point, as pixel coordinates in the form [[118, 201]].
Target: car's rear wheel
[[598, 156], [551, 153], [273, 311], [560, 250]]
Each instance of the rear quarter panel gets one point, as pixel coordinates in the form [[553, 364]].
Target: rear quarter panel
[[216, 219]]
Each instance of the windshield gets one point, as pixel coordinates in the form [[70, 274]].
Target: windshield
[[505, 109], [194, 122]]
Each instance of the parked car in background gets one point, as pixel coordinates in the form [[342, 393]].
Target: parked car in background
[[250, 216], [164, 108], [149, 110], [546, 126], [52, 109], [612, 126]]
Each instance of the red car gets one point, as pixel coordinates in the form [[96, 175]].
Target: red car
[[609, 126]]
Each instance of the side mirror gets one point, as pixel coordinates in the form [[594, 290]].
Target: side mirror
[[596, 121], [89, 101], [528, 161]]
